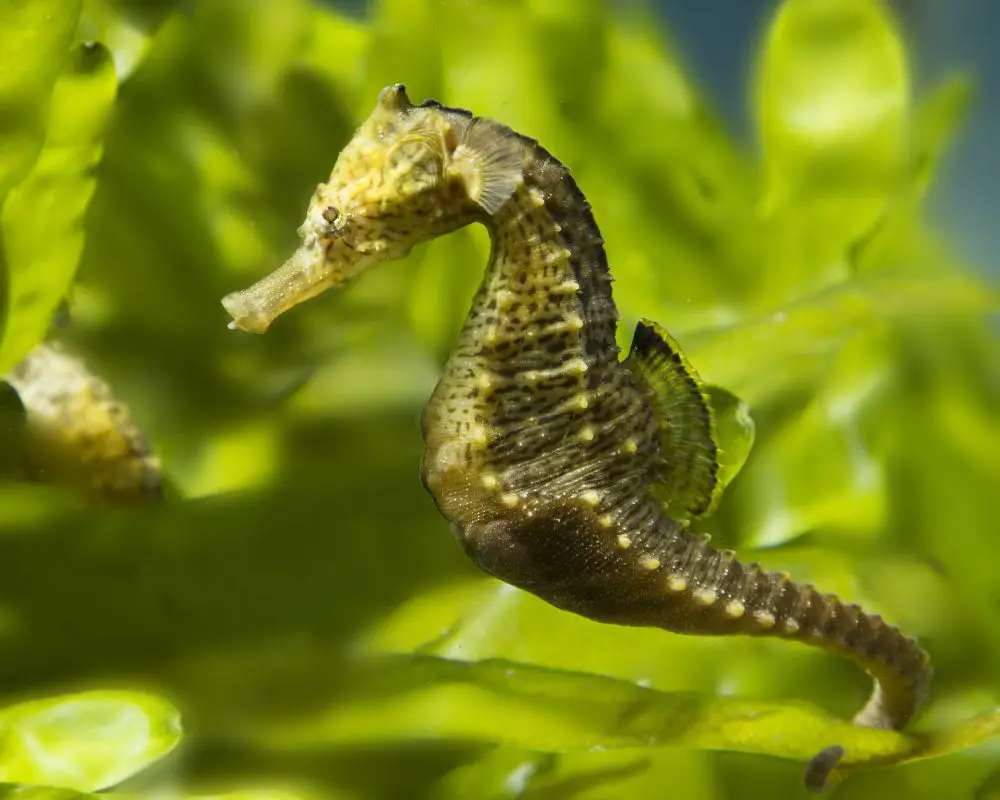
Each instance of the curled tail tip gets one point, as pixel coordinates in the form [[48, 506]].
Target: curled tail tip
[[821, 772]]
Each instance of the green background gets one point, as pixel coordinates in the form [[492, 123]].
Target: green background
[[300, 604]]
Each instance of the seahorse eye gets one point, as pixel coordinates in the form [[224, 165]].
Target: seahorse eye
[[331, 215]]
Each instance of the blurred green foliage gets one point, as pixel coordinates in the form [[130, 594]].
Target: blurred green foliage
[[304, 606]]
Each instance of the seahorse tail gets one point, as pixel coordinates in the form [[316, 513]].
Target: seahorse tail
[[724, 596], [900, 667]]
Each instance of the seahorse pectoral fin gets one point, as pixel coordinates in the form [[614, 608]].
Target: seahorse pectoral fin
[[688, 438], [489, 161], [735, 431]]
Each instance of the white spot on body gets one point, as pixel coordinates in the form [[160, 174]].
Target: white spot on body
[[566, 287], [705, 597], [764, 618], [590, 497], [676, 583], [650, 562], [735, 609], [624, 542]]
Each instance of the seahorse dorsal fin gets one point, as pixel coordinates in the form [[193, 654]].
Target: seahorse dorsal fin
[[490, 161], [688, 441]]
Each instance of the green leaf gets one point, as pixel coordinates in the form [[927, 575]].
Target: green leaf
[[34, 38], [832, 108], [86, 741], [42, 220], [526, 707], [820, 471], [763, 356], [832, 98], [28, 792], [125, 27]]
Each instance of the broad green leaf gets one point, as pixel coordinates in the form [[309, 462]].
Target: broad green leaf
[[34, 38], [42, 220], [484, 619], [764, 356], [86, 741], [820, 471], [530, 708], [832, 98], [125, 27], [27, 792], [14, 791], [832, 112], [508, 774]]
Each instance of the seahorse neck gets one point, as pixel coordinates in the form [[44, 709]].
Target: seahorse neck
[[546, 235]]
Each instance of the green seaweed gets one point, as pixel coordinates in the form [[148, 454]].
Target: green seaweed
[[304, 607]]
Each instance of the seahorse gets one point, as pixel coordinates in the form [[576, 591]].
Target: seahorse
[[563, 469]]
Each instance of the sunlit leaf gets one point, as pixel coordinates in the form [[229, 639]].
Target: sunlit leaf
[[34, 39], [125, 27], [86, 741], [794, 344], [820, 471], [832, 98], [42, 220], [551, 711]]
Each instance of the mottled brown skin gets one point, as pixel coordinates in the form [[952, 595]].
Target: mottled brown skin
[[542, 447]]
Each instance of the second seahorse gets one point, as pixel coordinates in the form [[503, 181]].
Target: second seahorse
[[563, 470]]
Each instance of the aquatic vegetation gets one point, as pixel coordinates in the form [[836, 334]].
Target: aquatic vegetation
[[300, 604]]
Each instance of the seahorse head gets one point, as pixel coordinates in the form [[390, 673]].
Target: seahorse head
[[410, 173]]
